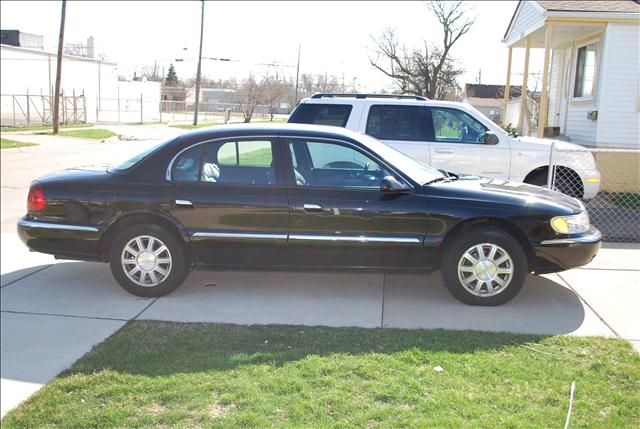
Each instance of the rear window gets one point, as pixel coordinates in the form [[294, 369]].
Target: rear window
[[321, 114], [397, 122]]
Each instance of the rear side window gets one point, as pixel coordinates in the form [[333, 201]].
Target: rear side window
[[389, 122], [321, 114]]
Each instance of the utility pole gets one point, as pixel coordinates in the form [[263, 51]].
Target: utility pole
[[56, 108], [195, 113], [297, 73]]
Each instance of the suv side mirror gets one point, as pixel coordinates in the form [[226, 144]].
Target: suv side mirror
[[390, 184], [491, 138]]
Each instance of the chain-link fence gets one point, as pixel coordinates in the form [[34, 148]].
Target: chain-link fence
[[37, 109], [182, 111], [608, 183]]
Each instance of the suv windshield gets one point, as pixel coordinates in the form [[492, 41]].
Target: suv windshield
[[125, 165]]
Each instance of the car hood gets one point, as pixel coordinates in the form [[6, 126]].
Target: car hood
[[501, 192], [535, 143]]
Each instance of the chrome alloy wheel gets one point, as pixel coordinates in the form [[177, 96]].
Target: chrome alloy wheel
[[146, 261], [485, 269]]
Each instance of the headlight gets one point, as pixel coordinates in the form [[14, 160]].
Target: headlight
[[575, 224]]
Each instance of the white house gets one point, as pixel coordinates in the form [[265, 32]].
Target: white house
[[591, 76]]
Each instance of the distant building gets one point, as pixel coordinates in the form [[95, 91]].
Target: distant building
[[22, 39], [489, 99]]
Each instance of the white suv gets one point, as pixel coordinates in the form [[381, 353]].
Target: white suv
[[454, 137]]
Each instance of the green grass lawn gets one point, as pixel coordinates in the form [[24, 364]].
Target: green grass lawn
[[43, 127], [93, 133], [211, 124], [158, 374], [8, 144]]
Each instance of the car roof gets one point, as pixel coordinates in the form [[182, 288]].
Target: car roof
[[268, 129], [381, 100]]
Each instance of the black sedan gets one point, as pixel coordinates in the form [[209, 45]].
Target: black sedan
[[301, 197]]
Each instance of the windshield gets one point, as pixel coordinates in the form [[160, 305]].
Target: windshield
[[123, 166], [417, 171]]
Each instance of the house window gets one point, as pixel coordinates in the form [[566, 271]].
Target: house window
[[585, 71]]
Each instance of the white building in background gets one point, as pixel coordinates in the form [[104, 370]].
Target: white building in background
[[33, 72]]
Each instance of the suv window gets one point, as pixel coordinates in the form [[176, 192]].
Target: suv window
[[456, 126], [321, 114], [389, 122], [235, 162], [334, 165]]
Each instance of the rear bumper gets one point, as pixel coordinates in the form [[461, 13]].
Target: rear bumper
[[76, 241], [561, 254]]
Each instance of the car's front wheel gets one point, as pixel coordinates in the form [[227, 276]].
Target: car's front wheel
[[148, 261], [484, 266]]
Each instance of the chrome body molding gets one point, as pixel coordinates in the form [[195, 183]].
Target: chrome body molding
[[355, 238], [310, 237], [61, 226], [593, 237], [257, 235]]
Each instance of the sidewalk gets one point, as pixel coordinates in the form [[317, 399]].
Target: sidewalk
[[53, 312]]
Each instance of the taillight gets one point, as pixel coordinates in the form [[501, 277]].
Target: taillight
[[36, 201]]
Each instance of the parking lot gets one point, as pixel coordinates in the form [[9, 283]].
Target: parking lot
[[60, 309]]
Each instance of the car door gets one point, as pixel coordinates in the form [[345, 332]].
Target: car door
[[339, 216], [229, 197], [457, 145], [403, 127]]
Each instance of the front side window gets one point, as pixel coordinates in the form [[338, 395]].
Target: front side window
[[321, 114], [389, 122], [585, 71], [334, 165], [456, 126], [234, 162]]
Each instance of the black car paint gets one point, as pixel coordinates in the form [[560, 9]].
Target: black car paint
[[426, 216]]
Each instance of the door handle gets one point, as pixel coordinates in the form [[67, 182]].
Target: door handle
[[314, 208], [184, 203], [444, 150]]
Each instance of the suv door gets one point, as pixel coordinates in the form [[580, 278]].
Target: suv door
[[403, 127], [339, 216], [232, 202], [456, 141]]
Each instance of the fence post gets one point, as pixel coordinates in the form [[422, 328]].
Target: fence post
[[97, 110], [28, 109], [84, 106], [141, 117], [13, 101], [551, 173], [75, 107]]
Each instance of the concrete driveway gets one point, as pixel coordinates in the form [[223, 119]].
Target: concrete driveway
[[53, 312]]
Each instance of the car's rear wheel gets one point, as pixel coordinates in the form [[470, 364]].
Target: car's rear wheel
[[148, 261], [484, 266]]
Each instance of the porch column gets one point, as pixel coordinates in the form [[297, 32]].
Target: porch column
[[523, 100], [544, 97], [507, 88]]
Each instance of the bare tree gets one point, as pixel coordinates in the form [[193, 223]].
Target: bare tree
[[152, 73], [273, 91], [248, 95], [429, 70]]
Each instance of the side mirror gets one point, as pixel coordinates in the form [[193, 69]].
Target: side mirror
[[491, 138], [390, 184]]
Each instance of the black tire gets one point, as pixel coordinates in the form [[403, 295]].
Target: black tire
[[177, 255], [464, 241], [539, 178]]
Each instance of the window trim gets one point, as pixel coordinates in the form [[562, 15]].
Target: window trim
[[432, 131], [290, 182], [596, 40], [423, 107], [272, 139]]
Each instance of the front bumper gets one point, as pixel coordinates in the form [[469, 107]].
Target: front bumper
[[591, 182], [76, 241], [559, 254]]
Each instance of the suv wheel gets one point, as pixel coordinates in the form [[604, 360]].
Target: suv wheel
[[148, 261], [484, 266]]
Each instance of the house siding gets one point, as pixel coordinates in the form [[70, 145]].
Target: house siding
[[528, 17], [618, 116]]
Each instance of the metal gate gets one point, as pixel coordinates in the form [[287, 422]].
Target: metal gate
[[31, 109]]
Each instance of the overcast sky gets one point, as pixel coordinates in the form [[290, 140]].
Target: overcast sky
[[335, 36]]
